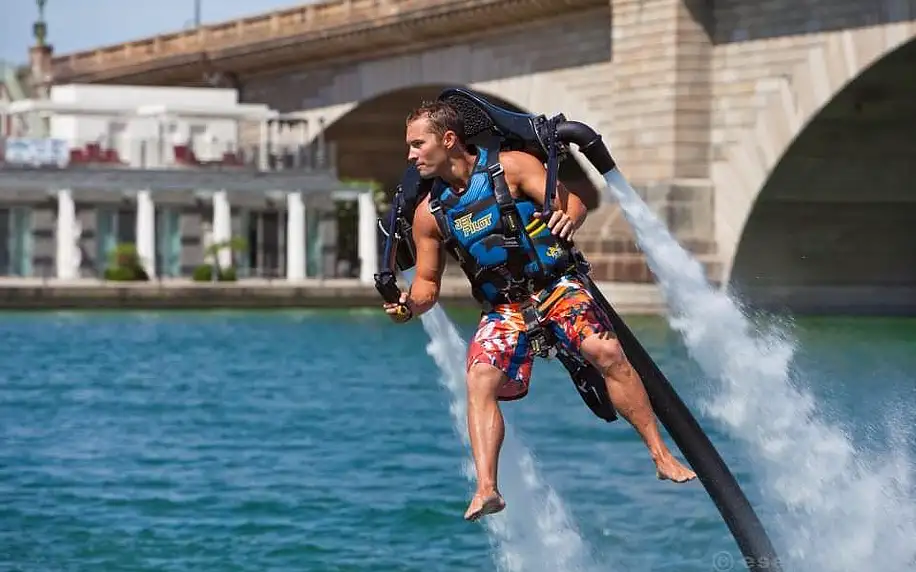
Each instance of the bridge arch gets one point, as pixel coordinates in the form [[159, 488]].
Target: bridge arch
[[815, 207]]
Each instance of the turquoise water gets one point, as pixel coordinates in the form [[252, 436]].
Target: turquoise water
[[323, 441]]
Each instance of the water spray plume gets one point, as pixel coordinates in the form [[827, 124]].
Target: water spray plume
[[836, 510]]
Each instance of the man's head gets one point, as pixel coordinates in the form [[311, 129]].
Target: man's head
[[435, 134]]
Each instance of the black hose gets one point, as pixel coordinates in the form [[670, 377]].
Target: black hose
[[589, 144]]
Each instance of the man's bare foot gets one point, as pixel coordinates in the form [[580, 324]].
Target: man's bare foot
[[484, 504], [668, 468]]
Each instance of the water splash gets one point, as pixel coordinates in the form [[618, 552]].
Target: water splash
[[839, 508], [535, 533]]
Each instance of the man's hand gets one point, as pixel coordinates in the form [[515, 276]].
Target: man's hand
[[559, 223], [526, 173], [399, 312]]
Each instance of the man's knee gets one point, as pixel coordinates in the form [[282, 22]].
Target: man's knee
[[484, 379], [605, 352]]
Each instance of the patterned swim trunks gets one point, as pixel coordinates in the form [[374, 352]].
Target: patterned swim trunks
[[501, 341]]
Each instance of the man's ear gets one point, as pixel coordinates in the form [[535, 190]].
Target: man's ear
[[449, 139]]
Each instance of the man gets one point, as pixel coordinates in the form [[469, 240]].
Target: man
[[463, 204]]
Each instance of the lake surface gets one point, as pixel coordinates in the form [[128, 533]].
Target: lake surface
[[325, 441]]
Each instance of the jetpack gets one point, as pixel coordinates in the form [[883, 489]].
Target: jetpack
[[548, 139]]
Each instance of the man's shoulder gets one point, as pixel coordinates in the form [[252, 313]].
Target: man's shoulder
[[519, 166], [422, 206], [517, 161]]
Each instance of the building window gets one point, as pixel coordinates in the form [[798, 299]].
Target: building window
[[114, 226], [168, 242], [16, 241]]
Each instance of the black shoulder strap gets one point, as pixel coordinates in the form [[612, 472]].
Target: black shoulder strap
[[518, 257], [448, 238]]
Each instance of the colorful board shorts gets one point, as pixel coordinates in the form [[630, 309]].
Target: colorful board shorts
[[501, 340]]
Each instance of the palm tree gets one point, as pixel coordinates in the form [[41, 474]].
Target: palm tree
[[235, 244]]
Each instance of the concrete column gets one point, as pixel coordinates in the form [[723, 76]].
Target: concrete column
[[275, 146], [66, 235], [263, 142], [222, 226], [368, 239], [146, 231], [295, 237]]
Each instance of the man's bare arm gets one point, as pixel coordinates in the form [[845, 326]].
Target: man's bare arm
[[530, 177], [424, 292]]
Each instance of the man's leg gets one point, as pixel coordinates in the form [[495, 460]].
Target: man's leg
[[586, 329], [629, 398], [499, 368], [486, 430]]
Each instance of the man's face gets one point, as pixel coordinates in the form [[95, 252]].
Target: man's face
[[426, 150]]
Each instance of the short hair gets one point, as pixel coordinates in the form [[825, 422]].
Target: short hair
[[442, 117]]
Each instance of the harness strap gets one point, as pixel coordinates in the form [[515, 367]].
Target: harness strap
[[518, 258], [553, 165]]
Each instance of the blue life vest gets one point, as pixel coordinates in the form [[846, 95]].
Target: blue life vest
[[506, 253]]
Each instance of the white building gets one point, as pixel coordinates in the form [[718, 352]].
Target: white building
[[171, 170]]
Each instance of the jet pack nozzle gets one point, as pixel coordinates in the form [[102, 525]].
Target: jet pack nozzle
[[589, 143]]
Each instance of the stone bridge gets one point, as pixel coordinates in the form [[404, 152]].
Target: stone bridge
[[774, 136]]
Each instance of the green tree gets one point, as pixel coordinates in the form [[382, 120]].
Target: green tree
[[204, 272]]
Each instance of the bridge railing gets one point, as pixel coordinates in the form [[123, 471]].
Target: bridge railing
[[290, 22]]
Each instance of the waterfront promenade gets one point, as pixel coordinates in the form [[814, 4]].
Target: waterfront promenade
[[179, 293]]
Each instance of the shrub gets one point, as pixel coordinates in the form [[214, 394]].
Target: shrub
[[124, 264], [204, 273]]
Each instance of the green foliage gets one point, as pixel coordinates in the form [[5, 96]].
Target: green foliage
[[124, 264], [381, 197], [236, 244], [204, 273]]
